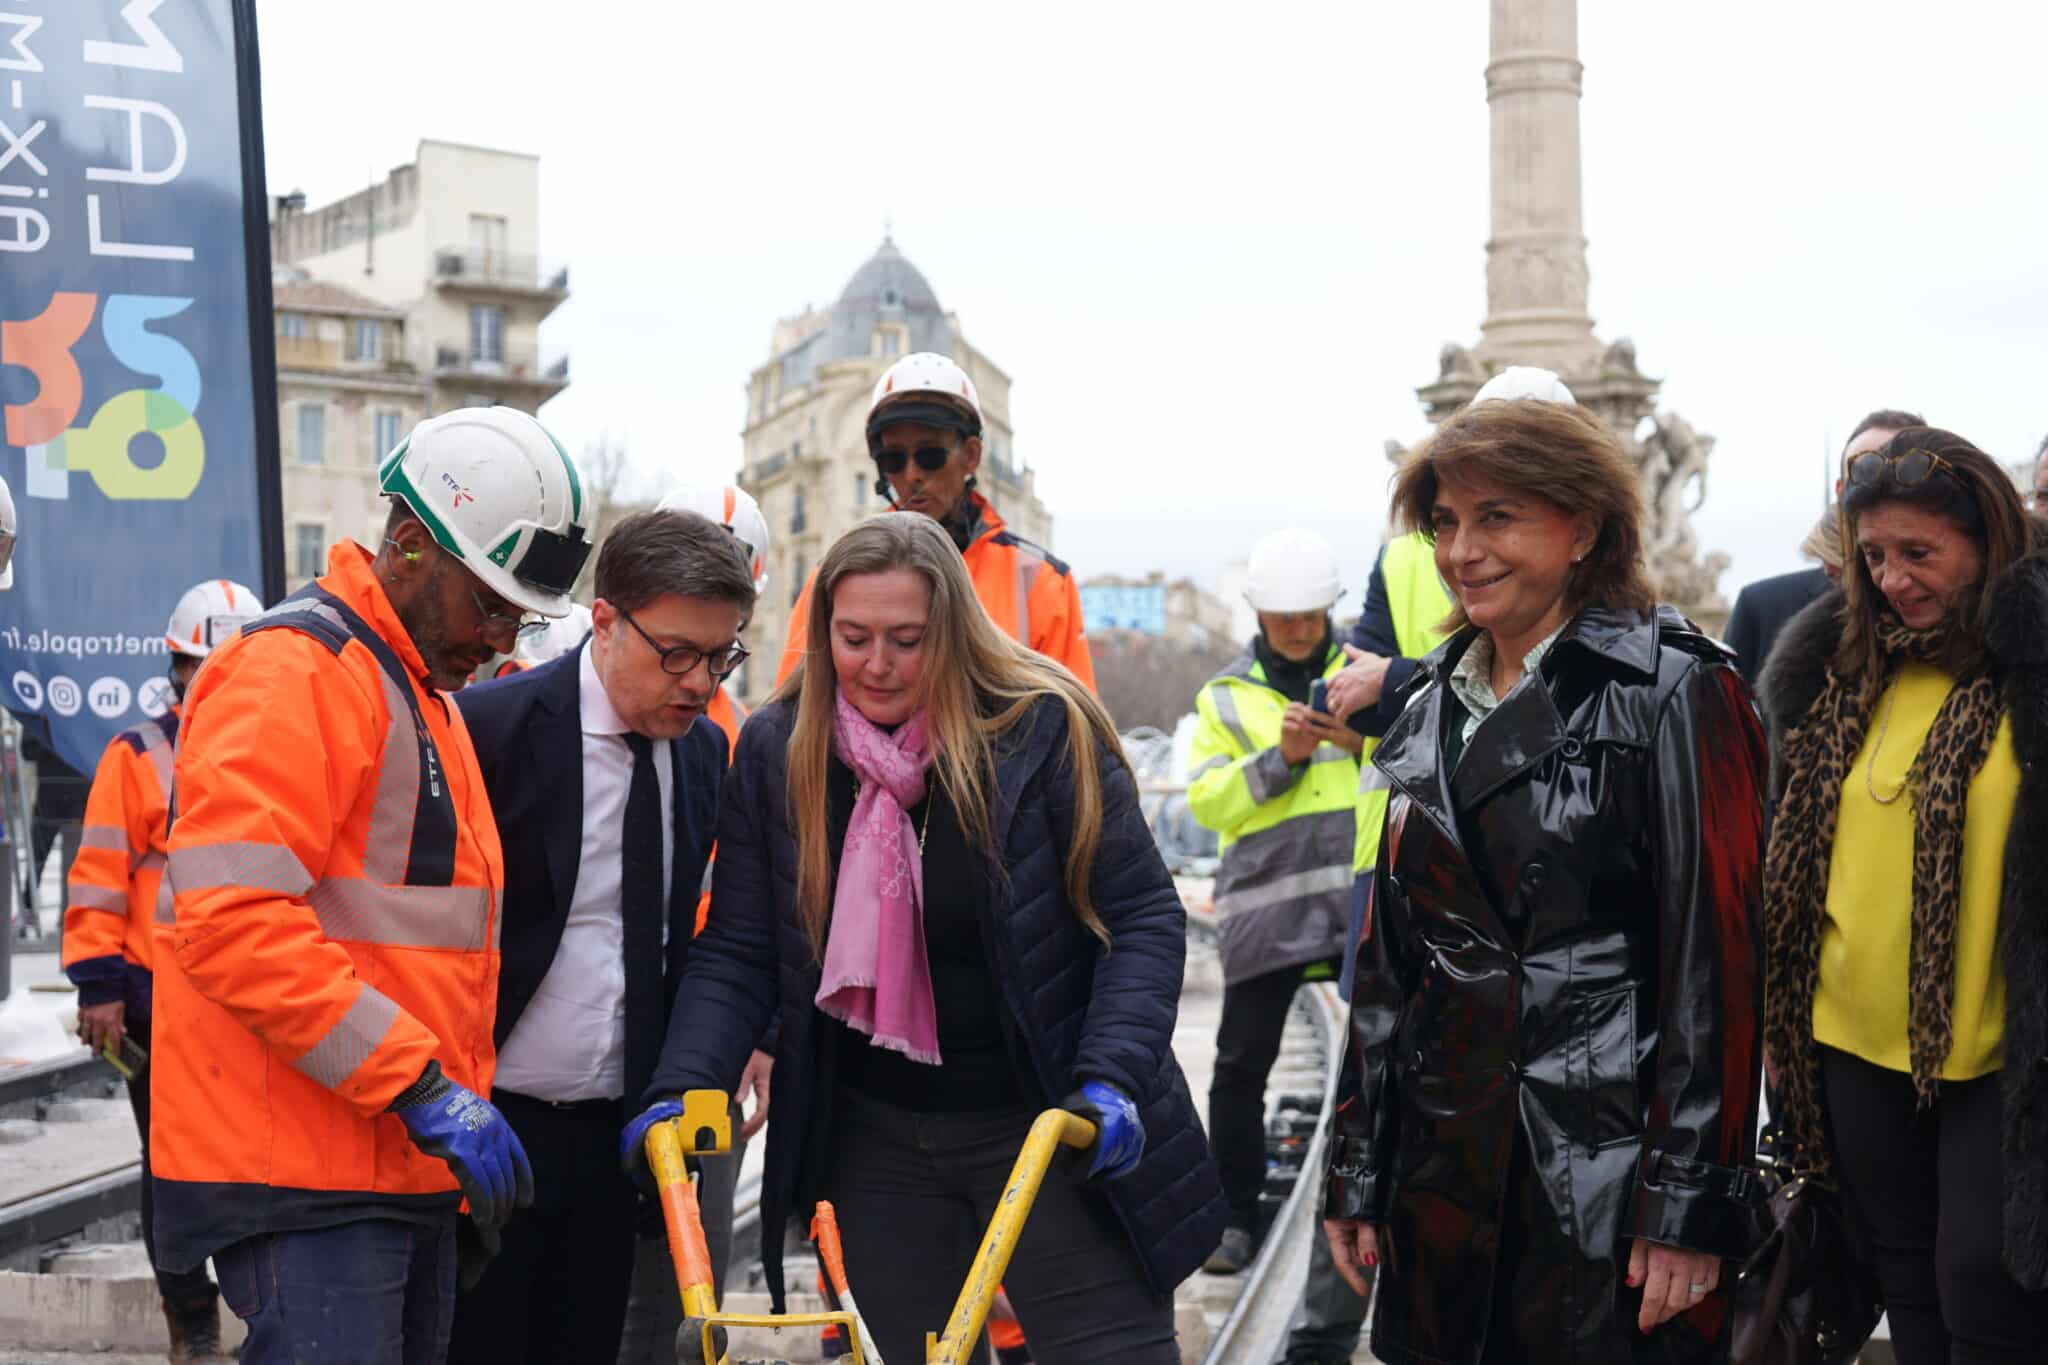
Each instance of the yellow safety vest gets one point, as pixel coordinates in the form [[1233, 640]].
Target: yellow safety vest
[[1284, 831], [1419, 602]]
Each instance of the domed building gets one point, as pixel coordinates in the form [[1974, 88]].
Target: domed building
[[806, 457]]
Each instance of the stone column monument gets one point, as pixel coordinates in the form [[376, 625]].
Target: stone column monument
[[1536, 293]]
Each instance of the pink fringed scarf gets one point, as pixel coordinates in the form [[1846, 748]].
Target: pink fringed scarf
[[877, 978]]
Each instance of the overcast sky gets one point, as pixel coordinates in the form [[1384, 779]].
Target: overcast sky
[[1218, 247]]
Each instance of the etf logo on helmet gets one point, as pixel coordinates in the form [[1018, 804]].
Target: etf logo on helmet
[[462, 494]]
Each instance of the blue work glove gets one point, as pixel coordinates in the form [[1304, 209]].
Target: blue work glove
[[633, 1142], [1119, 1136], [462, 1128]]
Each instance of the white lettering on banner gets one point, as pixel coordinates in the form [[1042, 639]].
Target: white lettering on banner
[[108, 697], [22, 229], [25, 26], [134, 173], [154, 53], [22, 146], [111, 229], [154, 697], [98, 245]]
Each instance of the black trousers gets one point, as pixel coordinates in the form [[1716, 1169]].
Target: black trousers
[[1928, 1186], [1247, 1041], [178, 1286], [557, 1290], [914, 1193]]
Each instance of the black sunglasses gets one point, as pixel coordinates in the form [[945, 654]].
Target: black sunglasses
[[931, 459], [1906, 467], [680, 659]]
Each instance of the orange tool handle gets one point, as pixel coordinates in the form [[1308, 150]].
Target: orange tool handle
[[825, 1232], [679, 1212]]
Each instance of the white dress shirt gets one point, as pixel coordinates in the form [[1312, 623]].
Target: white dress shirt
[[570, 1044]]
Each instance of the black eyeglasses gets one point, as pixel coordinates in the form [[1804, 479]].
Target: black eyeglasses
[[931, 459], [680, 659], [526, 625], [1906, 467]]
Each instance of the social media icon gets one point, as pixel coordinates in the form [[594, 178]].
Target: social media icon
[[154, 697], [65, 696], [29, 688], [108, 697]]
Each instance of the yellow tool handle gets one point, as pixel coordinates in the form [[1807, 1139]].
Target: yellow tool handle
[[1049, 1132]]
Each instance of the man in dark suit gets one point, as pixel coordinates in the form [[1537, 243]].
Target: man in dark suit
[[605, 788], [1763, 608]]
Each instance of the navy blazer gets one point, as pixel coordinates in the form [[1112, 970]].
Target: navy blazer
[[528, 733], [1761, 611]]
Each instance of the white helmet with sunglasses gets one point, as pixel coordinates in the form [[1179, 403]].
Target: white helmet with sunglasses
[[497, 491]]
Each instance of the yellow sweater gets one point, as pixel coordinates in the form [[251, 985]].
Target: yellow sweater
[[1860, 1006]]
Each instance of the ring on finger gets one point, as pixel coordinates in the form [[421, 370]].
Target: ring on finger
[[1698, 1290]]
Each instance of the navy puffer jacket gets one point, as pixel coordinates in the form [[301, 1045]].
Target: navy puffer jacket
[[1081, 1012]]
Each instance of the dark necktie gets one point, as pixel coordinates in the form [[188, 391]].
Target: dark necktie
[[643, 909]]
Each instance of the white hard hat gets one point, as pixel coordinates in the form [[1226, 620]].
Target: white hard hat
[[563, 634], [1524, 381], [927, 388], [1293, 570], [208, 614], [733, 508], [498, 492], [7, 535]]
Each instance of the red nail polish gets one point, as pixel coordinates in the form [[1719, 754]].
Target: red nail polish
[[1372, 1258]]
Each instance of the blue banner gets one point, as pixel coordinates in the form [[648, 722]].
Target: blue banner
[[136, 361]]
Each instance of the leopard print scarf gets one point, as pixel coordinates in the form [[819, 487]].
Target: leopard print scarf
[[1818, 753]]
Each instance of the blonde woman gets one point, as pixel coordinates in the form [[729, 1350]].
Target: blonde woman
[[932, 857]]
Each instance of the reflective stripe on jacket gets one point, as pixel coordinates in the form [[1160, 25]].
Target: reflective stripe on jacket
[[1419, 602], [117, 893], [1029, 594], [1284, 831], [337, 873]]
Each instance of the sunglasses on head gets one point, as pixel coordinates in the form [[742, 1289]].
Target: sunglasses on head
[[931, 459], [1906, 467]]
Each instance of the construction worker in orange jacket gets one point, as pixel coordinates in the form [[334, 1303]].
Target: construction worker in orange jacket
[[924, 434], [325, 1006], [119, 901]]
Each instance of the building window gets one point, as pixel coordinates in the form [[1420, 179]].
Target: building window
[[309, 549], [385, 438], [365, 339], [291, 326], [312, 433], [796, 512], [487, 333], [796, 581], [487, 239], [892, 341], [860, 490]]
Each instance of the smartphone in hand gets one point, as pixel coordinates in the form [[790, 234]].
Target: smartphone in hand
[[1319, 696]]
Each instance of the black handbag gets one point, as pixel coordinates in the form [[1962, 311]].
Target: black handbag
[[1806, 1295]]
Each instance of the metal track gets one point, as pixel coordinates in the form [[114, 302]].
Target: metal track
[[57, 1214], [1256, 1329], [26, 1092]]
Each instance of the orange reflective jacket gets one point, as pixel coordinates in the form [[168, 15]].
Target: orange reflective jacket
[[337, 878], [728, 714], [1030, 595], [117, 893]]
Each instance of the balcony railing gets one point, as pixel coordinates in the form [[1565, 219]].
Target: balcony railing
[[509, 365], [460, 265]]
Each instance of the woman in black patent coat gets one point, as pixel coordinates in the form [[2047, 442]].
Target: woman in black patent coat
[[1548, 1102]]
